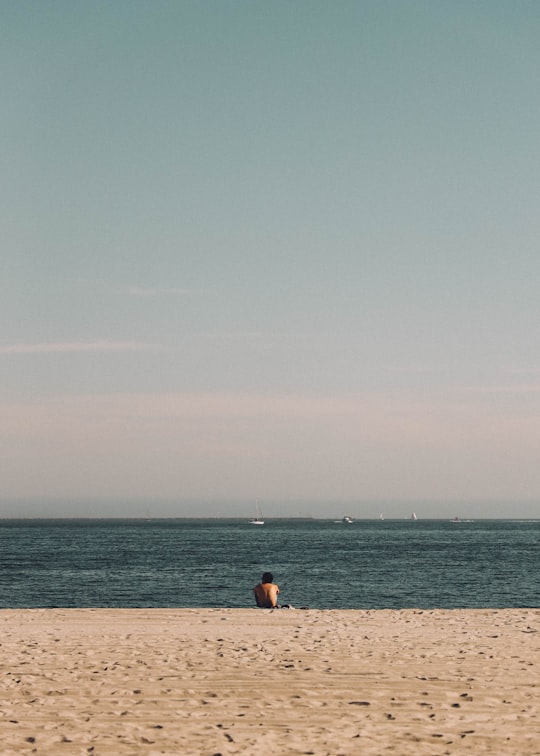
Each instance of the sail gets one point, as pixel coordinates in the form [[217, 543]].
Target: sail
[[258, 519]]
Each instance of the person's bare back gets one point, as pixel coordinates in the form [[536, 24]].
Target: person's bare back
[[266, 592]]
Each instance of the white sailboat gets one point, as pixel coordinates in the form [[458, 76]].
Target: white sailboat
[[258, 519], [413, 516]]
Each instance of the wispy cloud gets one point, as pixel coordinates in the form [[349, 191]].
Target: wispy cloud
[[524, 388], [155, 291], [416, 369], [67, 347], [135, 290], [524, 370]]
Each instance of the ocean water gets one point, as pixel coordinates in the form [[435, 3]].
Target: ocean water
[[317, 563]]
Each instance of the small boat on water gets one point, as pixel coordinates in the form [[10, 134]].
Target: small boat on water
[[413, 516], [258, 519], [347, 520]]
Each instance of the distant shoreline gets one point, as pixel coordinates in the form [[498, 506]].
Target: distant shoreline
[[235, 518]]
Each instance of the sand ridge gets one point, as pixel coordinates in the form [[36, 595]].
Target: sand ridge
[[229, 681]]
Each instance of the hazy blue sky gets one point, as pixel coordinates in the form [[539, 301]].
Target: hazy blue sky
[[274, 250]]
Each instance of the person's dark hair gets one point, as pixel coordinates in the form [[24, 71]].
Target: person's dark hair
[[267, 578]]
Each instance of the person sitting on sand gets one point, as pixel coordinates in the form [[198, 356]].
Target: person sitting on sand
[[266, 592]]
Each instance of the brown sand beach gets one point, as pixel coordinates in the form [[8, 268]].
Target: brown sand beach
[[255, 681]]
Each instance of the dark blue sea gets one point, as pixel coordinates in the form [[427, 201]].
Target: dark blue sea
[[317, 563]]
